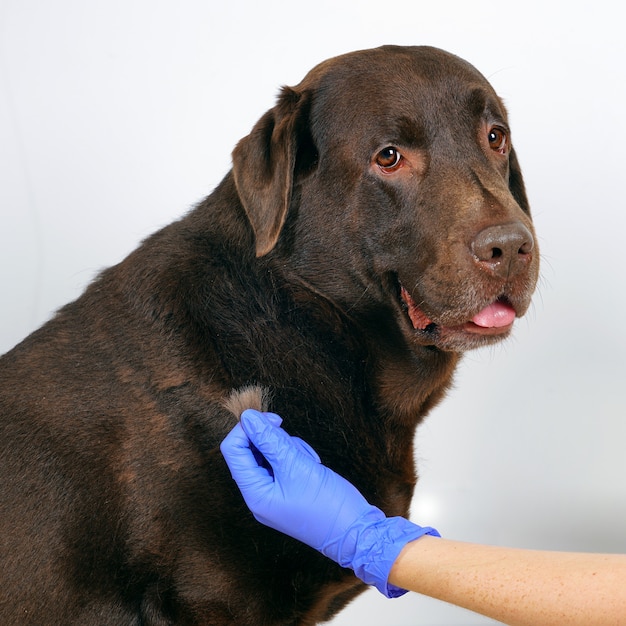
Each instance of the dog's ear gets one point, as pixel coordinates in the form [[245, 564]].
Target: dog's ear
[[516, 183], [264, 165]]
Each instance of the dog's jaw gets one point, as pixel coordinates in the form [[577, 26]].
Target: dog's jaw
[[489, 325]]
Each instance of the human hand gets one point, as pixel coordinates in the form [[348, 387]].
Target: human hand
[[287, 488]]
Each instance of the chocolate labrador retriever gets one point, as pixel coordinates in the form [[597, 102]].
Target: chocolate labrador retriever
[[373, 227]]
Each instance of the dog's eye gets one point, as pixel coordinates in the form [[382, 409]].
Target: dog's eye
[[389, 159], [498, 139]]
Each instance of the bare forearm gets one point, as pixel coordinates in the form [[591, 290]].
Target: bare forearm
[[517, 587]]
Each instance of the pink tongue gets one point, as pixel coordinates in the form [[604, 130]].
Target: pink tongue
[[496, 315]]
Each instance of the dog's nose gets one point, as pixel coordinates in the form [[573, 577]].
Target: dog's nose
[[504, 250]]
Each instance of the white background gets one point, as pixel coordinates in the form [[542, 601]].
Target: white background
[[116, 116]]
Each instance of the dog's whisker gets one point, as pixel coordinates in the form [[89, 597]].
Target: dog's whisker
[[358, 300]]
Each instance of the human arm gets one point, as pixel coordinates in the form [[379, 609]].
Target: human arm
[[517, 587], [290, 490]]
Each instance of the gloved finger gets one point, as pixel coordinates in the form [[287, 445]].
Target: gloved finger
[[272, 441], [273, 419], [239, 456], [276, 420], [233, 442], [306, 448]]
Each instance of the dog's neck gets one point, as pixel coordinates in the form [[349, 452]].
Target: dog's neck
[[407, 382], [407, 386]]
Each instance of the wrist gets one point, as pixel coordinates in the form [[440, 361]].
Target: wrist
[[389, 538], [372, 544]]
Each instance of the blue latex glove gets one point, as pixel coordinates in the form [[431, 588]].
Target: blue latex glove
[[287, 488]]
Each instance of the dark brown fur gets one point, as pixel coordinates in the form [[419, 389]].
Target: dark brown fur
[[116, 506]]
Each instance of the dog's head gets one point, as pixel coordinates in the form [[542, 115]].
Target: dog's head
[[387, 180]]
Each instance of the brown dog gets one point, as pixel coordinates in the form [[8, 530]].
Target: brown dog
[[373, 227]]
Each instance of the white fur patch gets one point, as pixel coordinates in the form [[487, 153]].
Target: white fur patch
[[251, 397]]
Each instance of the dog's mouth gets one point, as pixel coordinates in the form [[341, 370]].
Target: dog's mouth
[[493, 321]]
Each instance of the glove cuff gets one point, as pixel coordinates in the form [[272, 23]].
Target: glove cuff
[[372, 545]]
